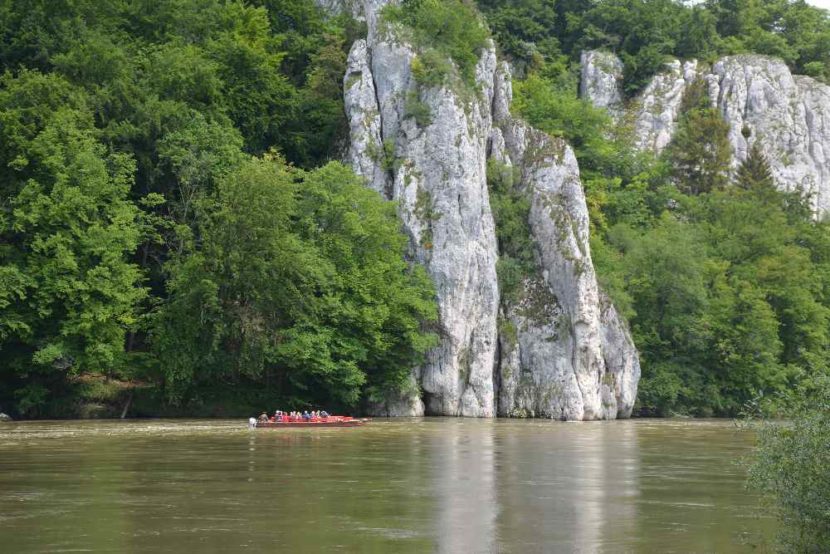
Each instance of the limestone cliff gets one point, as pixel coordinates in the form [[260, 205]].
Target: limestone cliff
[[758, 97], [427, 147], [600, 80], [553, 360]]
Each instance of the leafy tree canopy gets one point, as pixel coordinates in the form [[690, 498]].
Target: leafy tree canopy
[[156, 232]]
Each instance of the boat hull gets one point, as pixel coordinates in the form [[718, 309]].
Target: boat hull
[[310, 424]]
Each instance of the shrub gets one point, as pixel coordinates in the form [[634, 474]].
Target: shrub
[[417, 109], [452, 28], [431, 68], [791, 468]]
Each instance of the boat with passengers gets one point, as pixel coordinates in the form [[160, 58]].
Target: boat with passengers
[[283, 421]]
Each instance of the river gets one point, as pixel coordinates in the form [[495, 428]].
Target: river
[[423, 485]]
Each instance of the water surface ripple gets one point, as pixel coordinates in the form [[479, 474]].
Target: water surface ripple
[[420, 485]]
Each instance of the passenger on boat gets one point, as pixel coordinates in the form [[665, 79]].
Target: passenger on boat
[[324, 414], [263, 418], [306, 415]]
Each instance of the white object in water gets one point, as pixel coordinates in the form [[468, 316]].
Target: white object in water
[[251, 422]]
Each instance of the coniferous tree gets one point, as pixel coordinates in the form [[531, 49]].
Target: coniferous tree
[[700, 153], [754, 173]]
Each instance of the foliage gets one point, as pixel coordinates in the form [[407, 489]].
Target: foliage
[[134, 221], [511, 209], [67, 230], [644, 33], [298, 281], [755, 173], [417, 109], [552, 105], [790, 466], [451, 28], [431, 68], [700, 151], [523, 30]]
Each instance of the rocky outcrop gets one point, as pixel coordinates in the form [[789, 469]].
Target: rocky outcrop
[[758, 97], [365, 144], [436, 171], [761, 100], [553, 348], [622, 363], [657, 109], [427, 149], [602, 73]]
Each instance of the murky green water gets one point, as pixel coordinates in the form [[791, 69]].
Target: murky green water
[[431, 485]]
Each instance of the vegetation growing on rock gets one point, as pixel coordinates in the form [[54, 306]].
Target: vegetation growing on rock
[[644, 33], [445, 29], [721, 276]]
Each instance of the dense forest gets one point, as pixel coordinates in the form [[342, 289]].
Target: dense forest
[[171, 226], [175, 228]]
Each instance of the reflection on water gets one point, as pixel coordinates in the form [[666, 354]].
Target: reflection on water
[[574, 489], [424, 485], [465, 487]]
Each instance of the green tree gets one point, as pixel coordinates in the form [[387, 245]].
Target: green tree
[[665, 270], [67, 229], [790, 467], [523, 29], [755, 173], [700, 151], [298, 281]]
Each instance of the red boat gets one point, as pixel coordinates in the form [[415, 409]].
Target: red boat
[[331, 421]]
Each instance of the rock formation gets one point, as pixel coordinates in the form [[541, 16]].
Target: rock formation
[[600, 80], [555, 366], [758, 97], [658, 108], [762, 100], [569, 355]]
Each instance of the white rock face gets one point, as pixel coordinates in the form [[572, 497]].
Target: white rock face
[[364, 119], [553, 361], [789, 115], [657, 109], [602, 73], [622, 364], [436, 172], [400, 404], [759, 98]]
